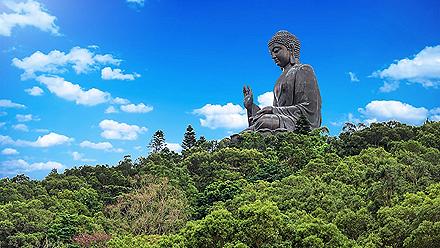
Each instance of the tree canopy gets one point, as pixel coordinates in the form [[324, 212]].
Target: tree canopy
[[371, 186]]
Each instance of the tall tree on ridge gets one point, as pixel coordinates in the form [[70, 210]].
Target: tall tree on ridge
[[189, 138], [157, 143]]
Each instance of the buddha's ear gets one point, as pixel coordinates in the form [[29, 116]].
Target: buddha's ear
[[292, 59]]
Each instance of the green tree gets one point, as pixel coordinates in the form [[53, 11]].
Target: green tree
[[189, 138], [157, 143], [154, 208], [303, 125]]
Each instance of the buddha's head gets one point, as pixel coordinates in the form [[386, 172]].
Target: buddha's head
[[284, 48]]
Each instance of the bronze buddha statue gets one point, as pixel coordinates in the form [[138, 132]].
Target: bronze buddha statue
[[296, 91]]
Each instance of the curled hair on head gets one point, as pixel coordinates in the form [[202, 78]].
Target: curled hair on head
[[287, 39]]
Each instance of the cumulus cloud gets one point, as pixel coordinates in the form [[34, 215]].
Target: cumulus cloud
[[139, 108], [30, 13], [97, 146], [108, 73], [137, 2], [42, 130], [265, 99], [5, 103], [120, 131], [20, 166], [229, 116], [80, 59], [174, 147], [80, 157], [34, 91], [48, 140], [26, 118], [435, 114], [111, 110], [74, 92], [77, 155], [389, 86], [353, 77], [119, 100], [21, 127], [105, 146], [9, 151], [394, 110], [348, 118], [423, 68], [6, 140]]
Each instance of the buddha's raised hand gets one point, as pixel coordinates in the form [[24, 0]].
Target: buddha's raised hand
[[248, 97]]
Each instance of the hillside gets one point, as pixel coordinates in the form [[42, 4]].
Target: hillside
[[376, 186]]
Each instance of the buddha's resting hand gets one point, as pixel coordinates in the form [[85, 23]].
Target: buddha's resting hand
[[248, 97], [263, 111]]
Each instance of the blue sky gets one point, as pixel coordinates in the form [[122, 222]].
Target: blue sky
[[83, 82]]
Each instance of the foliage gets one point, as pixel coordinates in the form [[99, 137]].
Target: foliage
[[157, 143], [375, 186], [153, 208], [189, 138]]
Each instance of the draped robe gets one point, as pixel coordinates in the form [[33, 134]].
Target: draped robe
[[296, 92]]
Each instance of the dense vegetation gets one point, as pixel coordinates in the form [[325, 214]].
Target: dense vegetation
[[376, 186]]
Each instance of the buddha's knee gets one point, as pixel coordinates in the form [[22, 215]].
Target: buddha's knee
[[269, 121]]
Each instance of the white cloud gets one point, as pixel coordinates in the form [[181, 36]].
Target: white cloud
[[106, 146], [26, 118], [77, 155], [21, 127], [435, 114], [51, 139], [229, 116], [5, 103], [80, 157], [20, 165], [138, 2], [138, 148], [174, 147], [2, 124], [393, 110], [111, 110], [82, 60], [424, 68], [74, 92], [9, 151], [93, 46], [265, 99], [435, 111], [30, 13], [139, 108], [42, 130], [108, 73], [389, 86], [121, 131], [34, 91], [348, 118], [48, 140], [6, 140], [353, 77], [97, 146], [119, 100]]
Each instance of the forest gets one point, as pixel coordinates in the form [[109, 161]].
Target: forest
[[370, 186]]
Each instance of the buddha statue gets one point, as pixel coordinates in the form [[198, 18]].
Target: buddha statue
[[295, 92]]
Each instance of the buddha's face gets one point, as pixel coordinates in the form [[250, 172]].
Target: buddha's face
[[280, 54]]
